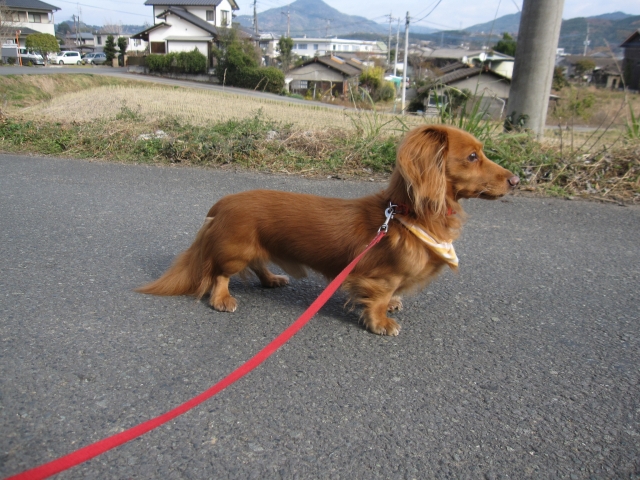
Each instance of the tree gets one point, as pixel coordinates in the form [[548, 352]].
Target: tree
[[582, 67], [123, 43], [110, 49], [7, 25], [285, 47], [42, 43], [233, 55], [559, 80], [507, 45], [63, 28]]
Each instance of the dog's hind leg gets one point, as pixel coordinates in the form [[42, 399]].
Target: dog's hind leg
[[220, 298], [395, 304], [267, 278]]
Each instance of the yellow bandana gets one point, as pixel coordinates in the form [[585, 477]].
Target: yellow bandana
[[443, 250]]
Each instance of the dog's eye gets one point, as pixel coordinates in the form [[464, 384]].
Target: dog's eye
[[473, 157]]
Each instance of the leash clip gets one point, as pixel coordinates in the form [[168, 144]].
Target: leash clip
[[388, 213]]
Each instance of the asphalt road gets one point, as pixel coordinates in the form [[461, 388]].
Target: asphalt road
[[523, 365]]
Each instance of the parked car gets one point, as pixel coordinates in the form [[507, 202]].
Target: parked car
[[67, 58], [29, 56], [13, 54], [94, 58]]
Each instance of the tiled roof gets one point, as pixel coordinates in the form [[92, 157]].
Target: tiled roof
[[30, 5], [337, 63], [459, 75], [452, 67]]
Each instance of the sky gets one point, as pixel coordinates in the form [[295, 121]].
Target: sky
[[440, 14]]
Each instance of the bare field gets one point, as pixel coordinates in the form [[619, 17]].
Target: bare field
[[194, 107]]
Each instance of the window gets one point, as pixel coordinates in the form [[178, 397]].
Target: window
[[34, 18], [158, 47], [211, 15], [304, 84], [137, 42], [302, 46], [316, 46], [99, 40], [225, 18], [437, 100], [334, 47]]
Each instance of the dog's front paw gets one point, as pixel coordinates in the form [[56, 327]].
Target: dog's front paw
[[386, 326], [225, 304], [395, 304]]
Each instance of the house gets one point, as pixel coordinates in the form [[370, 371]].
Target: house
[[182, 25], [631, 62], [328, 73], [490, 88], [606, 72], [268, 44], [81, 41], [315, 47], [136, 45], [24, 17]]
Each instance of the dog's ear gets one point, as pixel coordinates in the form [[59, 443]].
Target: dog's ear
[[420, 159]]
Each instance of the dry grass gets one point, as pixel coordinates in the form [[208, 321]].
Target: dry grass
[[195, 107]]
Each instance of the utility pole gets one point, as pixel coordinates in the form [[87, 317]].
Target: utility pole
[[255, 18], [328, 25], [586, 41], [76, 26], [288, 20], [395, 61], [389, 42], [406, 55], [535, 60]]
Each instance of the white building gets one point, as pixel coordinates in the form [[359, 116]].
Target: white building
[[312, 47], [135, 44], [182, 25], [24, 17]]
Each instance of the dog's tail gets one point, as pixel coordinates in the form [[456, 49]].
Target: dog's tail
[[187, 275]]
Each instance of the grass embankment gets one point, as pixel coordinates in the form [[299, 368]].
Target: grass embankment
[[89, 116]]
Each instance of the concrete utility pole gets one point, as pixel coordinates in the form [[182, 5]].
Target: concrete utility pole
[[586, 41], [406, 55], [255, 18], [288, 20], [535, 60], [395, 61], [389, 43]]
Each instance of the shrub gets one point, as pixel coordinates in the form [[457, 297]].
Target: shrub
[[180, 62], [269, 79]]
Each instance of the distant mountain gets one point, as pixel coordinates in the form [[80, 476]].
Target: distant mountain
[[612, 16], [507, 23], [608, 30], [313, 18], [604, 31]]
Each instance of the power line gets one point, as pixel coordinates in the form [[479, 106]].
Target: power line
[[107, 9]]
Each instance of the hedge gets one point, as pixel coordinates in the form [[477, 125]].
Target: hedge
[[269, 79], [180, 62]]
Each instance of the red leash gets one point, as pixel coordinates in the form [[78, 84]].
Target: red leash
[[90, 451]]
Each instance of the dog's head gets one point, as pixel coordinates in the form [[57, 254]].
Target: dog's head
[[439, 162]]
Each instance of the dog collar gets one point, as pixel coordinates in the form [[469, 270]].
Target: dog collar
[[404, 209], [444, 250]]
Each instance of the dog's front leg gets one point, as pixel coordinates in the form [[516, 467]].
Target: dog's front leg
[[376, 297]]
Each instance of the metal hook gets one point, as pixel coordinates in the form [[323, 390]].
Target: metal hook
[[388, 213]]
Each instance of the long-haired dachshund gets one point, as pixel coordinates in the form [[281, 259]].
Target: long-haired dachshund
[[436, 166]]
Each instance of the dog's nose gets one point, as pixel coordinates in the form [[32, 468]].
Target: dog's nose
[[514, 181]]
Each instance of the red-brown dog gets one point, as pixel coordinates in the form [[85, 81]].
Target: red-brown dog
[[436, 166]]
